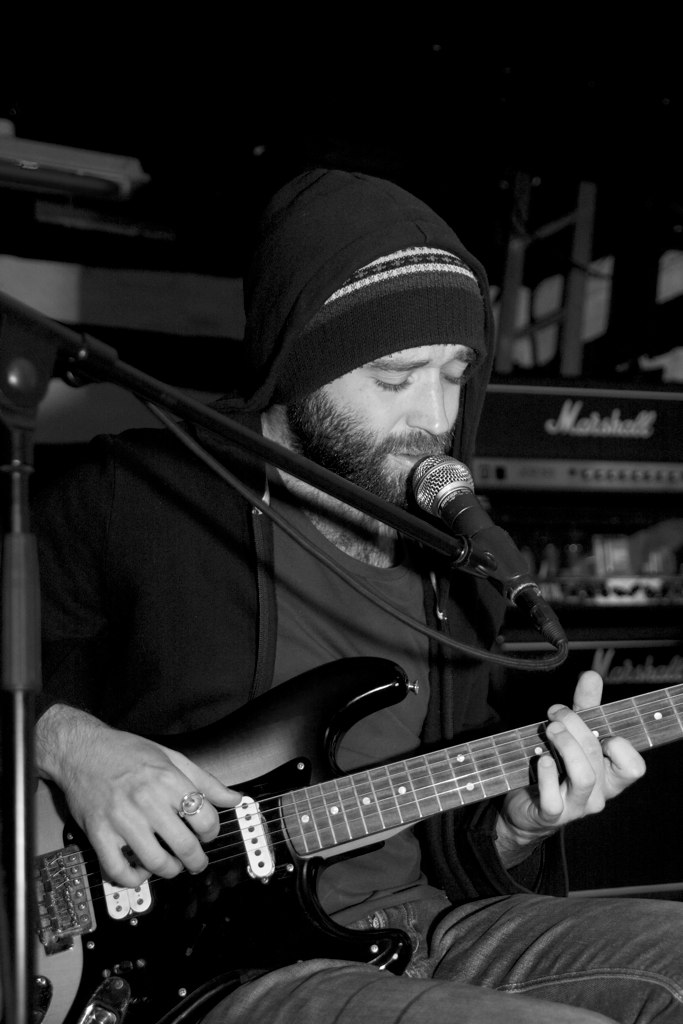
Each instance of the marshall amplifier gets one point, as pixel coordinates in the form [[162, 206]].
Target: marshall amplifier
[[580, 439], [589, 483]]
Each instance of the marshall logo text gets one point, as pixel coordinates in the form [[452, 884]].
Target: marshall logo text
[[646, 671], [570, 421]]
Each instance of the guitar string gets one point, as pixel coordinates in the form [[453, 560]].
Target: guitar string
[[438, 760], [321, 802], [231, 849], [318, 804]]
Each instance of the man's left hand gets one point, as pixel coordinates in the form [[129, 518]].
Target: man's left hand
[[593, 771]]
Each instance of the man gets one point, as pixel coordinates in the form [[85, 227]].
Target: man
[[170, 602]]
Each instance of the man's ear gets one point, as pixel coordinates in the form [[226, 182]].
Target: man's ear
[[275, 423]]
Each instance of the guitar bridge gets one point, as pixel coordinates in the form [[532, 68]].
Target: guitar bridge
[[255, 838], [65, 906]]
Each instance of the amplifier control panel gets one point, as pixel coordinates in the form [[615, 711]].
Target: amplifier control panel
[[577, 475]]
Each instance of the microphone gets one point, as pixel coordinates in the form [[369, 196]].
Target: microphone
[[444, 488]]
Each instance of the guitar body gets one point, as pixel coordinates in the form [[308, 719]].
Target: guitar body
[[227, 920]]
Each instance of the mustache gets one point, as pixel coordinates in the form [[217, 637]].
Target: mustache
[[415, 442]]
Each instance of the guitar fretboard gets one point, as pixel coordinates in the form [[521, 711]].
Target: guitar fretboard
[[381, 799]]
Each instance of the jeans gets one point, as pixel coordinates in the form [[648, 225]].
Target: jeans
[[519, 959]]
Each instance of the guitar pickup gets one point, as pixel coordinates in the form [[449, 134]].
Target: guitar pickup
[[123, 902], [255, 838]]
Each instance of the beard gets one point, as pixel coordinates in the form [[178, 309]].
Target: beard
[[338, 441]]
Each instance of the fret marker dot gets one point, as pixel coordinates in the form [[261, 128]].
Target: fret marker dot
[[658, 715], [402, 790], [334, 810], [367, 800], [470, 786], [305, 818], [460, 757], [538, 750]]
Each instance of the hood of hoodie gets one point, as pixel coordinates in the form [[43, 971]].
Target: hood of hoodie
[[316, 231]]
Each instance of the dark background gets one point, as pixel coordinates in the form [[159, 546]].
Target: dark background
[[221, 108], [220, 118], [219, 115]]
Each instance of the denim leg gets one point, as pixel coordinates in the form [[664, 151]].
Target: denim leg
[[445, 982], [620, 957], [331, 992]]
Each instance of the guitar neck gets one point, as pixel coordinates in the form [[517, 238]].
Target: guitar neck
[[355, 808]]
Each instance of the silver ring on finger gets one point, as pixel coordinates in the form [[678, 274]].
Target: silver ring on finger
[[191, 803]]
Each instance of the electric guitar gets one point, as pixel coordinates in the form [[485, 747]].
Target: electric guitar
[[149, 954]]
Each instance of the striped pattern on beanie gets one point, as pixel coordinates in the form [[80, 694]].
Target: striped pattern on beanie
[[397, 266]]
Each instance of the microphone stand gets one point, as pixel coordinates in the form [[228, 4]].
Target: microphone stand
[[25, 369]]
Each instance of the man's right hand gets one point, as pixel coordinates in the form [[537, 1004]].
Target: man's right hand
[[125, 792]]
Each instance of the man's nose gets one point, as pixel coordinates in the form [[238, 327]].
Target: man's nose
[[432, 410]]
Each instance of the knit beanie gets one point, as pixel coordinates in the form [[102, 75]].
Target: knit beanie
[[410, 298]]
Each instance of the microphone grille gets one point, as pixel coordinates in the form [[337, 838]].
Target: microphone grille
[[436, 477]]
